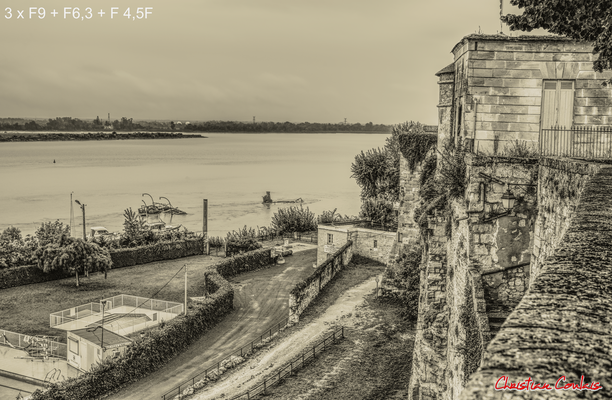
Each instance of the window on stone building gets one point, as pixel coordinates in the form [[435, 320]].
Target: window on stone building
[[375, 243], [330, 238], [557, 103]]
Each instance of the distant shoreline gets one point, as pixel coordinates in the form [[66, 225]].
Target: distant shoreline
[[82, 136], [51, 136]]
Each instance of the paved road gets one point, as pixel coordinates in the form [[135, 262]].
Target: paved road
[[260, 300]]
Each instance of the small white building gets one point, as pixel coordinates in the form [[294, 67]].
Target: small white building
[[97, 331], [374, 244], [90, 346]]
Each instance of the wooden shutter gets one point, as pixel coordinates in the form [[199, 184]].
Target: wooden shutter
[[549, 104], [565, 116]]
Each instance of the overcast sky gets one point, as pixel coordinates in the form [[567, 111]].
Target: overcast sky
[[277, 60]]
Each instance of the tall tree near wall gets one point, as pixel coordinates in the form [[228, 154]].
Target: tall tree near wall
[[587, 20], [73, 256]]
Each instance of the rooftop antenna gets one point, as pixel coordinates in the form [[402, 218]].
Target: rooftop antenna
[[501, 13]]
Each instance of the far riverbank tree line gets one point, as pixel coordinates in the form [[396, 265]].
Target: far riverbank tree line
[[68, 124]]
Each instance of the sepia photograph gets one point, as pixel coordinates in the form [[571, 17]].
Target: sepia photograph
[[309, 200]]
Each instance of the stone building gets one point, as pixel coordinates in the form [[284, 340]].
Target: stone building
[[371, 243], [502, 88]]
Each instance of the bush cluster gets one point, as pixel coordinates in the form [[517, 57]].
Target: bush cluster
[[293, 219], [407, 274], [162, 250]]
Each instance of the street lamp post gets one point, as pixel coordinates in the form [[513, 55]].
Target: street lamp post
[[82, 209], [102, 341]]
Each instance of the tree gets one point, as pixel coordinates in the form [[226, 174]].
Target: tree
[[377, 170], [50, 232], [73, 256], [587, 20], [11, 233], [135, 232]]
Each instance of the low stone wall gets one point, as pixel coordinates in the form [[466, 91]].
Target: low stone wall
[[560, 184], [306, 291], [561, 327], [28, 274]]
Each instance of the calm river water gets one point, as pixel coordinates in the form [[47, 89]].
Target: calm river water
[[232, 171]]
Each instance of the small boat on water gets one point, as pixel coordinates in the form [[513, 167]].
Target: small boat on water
[[159, 208], [267, 199]]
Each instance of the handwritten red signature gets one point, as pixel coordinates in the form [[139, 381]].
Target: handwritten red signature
[[529, 384]]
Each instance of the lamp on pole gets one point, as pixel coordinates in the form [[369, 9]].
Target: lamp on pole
[[83, 209], [102, 341]]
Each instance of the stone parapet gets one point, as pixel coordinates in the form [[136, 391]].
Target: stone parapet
[[562, 326]]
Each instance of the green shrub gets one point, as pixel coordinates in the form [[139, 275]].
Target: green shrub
[[242, 246], [520, 149], [166, 250], [293, 219], [216, 241], [73, 256], [49, 232], [379, 211], [11, 234], [328, 217], [377, 173], [409, 277], [415, 143]]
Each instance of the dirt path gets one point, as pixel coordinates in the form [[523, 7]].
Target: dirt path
[[252, 372], [260, 301]]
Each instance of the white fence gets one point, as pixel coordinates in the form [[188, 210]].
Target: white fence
[[36, 346], [122, 314]]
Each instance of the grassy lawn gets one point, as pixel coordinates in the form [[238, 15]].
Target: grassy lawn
[[26, 309]]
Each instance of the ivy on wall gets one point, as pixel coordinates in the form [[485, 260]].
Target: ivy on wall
[[415, 145], [473, 344]]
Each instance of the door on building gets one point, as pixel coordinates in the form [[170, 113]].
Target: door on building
[[558, 114], [558, 104]]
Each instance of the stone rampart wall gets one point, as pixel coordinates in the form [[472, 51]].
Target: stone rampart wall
[[562, 326], [500, 247]]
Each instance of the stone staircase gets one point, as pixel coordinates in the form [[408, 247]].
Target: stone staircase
[[496, 320]]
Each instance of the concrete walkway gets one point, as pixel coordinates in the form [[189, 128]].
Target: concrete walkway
[[10, 388], [260, 300]]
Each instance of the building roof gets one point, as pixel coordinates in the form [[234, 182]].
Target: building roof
[[449, 68], [520, 38], [94, 335]]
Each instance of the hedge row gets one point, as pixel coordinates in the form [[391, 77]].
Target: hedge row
[[157, 252], [28, 274], [147, 355], [245, 263]]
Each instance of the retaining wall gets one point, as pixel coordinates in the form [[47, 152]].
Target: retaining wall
[[306, 291]]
